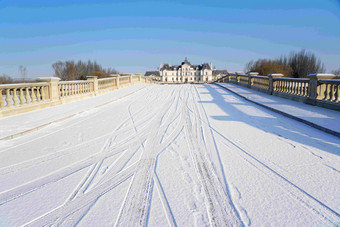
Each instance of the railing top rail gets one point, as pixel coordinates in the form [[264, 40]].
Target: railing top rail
[[244, 75], [22, 85], [330, 81], [109, 78], [124, 76], [260, 77], [75, 82], [292, 79]]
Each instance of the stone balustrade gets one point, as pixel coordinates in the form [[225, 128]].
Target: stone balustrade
[[318, 89], [71, 88], [242, 79], [260, 82], [294, 86], [25, 93], [50, 91], [329, 90], [106, 83]]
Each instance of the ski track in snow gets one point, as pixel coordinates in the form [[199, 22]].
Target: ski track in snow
[[136, 131]]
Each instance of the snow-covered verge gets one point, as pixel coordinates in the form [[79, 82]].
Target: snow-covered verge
[[21, 122], [329, 119], [172, 155]]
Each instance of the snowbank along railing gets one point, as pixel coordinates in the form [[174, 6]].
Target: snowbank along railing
[[317, 89], [50, 91]]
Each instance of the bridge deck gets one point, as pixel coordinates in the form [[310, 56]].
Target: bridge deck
[[168, 155]]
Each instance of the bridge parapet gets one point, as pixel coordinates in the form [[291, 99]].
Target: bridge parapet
[[317, 89], [50, 91]]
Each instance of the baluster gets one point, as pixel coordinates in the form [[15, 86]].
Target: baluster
[[43, 93], [8, 97], [2, 101], [15, 97], [331, 92], [27, 96], [336, 94], [303, 89], [33, 95], [38, 94], [326, 92], [21, 96]]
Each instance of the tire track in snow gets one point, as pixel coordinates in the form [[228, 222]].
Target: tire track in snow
[[307, 200], [84, 200], [136, 207], [219, 208]]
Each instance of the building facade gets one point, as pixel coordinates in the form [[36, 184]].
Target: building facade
[[186, 73]]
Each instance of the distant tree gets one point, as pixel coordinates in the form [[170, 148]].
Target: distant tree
[[5, 79], [336, 72], [23, 72], [70, 70], [265, 67], [303, 63]]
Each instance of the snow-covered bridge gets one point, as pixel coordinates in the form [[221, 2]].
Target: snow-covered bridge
[[173, 155]]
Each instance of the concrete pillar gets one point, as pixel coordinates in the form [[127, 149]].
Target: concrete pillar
[[313, 86], [250, 78], [271, 81], [53, 89], [93, 79], [118, 82]]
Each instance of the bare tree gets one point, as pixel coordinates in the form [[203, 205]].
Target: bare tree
[[70, 70], [265, 67], [336, 72], [303, 63], [5, 79], [23, 72]]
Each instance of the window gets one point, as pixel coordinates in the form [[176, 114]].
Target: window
[[165, 74], [206, 73]]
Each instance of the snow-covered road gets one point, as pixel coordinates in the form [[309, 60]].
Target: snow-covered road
[[177, 155]]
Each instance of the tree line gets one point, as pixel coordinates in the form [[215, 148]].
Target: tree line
[[71, 70], [66, 70], [296, 64]]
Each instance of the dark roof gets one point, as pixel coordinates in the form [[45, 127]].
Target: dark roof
[[224, 72], [176, 67], [149, 73], [186, 62]]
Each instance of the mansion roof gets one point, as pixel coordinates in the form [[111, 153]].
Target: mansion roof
[[177, 67]]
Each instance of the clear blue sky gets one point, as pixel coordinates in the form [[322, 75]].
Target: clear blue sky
[[134, 36]]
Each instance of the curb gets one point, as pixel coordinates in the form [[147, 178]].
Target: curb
[[16, 135], [311, 124]]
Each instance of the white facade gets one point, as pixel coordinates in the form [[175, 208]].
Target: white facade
[[186, 73]]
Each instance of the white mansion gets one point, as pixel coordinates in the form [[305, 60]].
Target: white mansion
[[186, 73]]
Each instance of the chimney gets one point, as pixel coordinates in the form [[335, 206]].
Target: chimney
[[211, 65], [160, 66]]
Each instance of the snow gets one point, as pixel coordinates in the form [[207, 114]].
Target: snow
[[317, 115], [169, 155]]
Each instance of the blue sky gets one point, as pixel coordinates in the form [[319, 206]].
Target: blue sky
[[134, 36]]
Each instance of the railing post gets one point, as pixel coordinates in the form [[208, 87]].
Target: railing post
[[250, 78], [271, 81], [53, 89], [118, 82], [313, 86], [94, 80], [130, 79]]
